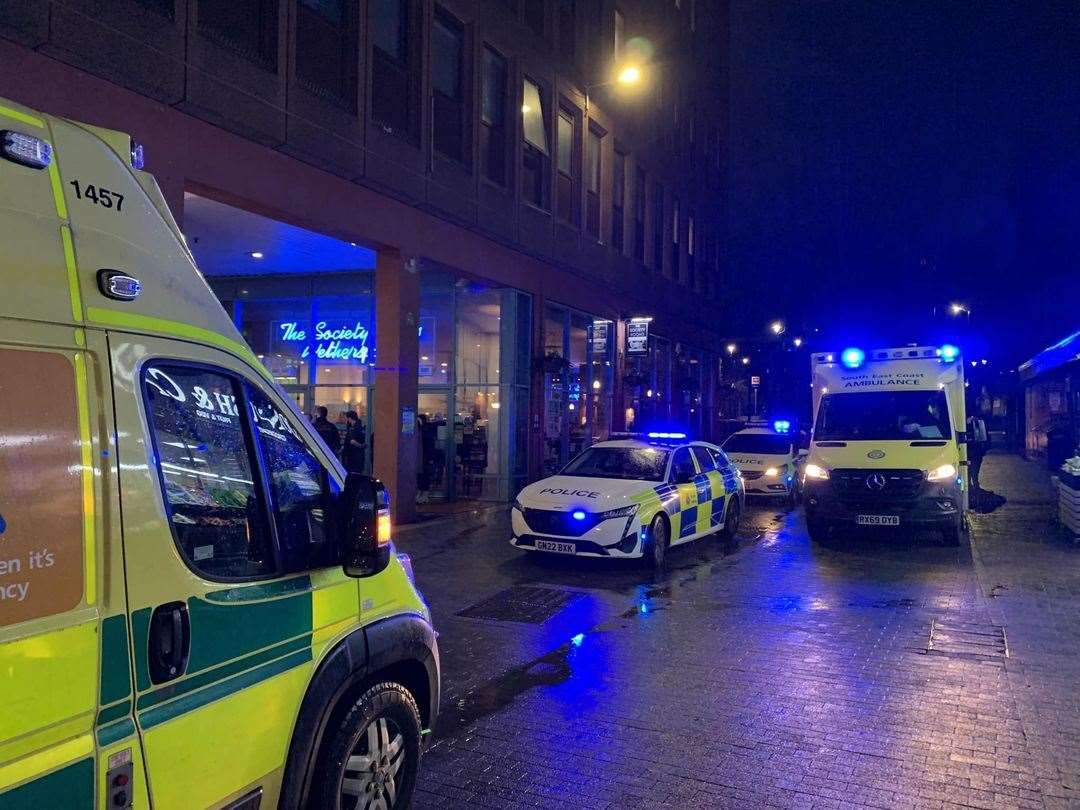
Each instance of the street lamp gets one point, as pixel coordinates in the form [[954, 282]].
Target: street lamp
[[797, 342], [627, 76], [732, 348], [958, 309], [746, 361], [777, 327]]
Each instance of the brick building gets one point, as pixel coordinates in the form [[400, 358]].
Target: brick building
[[440, 214]]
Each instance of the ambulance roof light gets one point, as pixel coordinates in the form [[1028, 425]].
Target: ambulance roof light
[[852, 357], [949, 353], [26, 149]]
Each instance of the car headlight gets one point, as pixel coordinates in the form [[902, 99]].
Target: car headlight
[[772, 472], [941, 473], [816, 472], [622, 511]]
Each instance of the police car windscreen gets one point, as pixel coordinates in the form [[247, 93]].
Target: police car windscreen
[[883, 416], [633, 463], [760, 444]]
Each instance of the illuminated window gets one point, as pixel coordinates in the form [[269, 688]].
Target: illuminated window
[[535, 154]]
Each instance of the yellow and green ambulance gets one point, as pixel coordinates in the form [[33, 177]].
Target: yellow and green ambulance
[[198, 608]]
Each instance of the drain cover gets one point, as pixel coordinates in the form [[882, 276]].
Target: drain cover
[[967, 640], [522, 603]]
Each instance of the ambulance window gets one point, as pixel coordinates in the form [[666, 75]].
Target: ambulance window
[[299, 484], [206, 463], [704, 459]]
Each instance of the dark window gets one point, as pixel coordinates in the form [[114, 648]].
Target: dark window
[[326, 49], [535, 152], [691, 279], [658, 227], [249, 27], [675, 268], [704, 458], [534, 16], [567, 29], [682, 465], [618, 197], [592, 182], [883, 416], [566, 183], [493, 118], [208, 471], [447, 48], [639, 215], [166, 8], [393, 74], [721, 460], [620, 34]]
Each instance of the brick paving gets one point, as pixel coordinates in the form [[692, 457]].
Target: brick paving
[[766, 673]]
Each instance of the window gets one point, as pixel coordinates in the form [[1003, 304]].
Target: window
[[624, 463], [620, 34], [206, 459], [535, 154], [326, 49], [658, 227], [704, 458], [618, 196], [639, 215], [592, 182], [691, 126], [675, 268], [535, 16], [567, 29], [566, 188], [166, 8], [248, 27], [493, 117], [448, 106], [393, 75], [682, 465], [691, 278]]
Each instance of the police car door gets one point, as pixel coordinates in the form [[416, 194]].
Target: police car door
[[683, 475], [222, 637], [710, 490]]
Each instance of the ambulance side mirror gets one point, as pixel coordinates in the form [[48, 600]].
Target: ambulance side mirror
[[364, 526]]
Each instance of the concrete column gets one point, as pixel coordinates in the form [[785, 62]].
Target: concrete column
[[397, 308]]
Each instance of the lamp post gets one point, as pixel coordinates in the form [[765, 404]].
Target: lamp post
[[628, 76]]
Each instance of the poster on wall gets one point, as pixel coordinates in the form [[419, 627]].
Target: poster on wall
[[599, 337], [637, 337]]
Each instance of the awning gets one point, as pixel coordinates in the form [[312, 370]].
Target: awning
[[1052, 357]]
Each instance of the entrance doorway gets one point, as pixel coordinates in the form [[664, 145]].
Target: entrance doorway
[[436, 446]]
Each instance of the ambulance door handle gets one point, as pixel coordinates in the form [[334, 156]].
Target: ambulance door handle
[[169, 642]]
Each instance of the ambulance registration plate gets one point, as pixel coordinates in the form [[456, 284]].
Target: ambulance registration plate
[[551, 545], [877, 520]]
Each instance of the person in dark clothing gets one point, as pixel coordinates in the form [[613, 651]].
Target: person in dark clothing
[[977, 445], [327, 430], [352, 454]]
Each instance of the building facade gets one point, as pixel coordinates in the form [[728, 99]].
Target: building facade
[[463, 220]]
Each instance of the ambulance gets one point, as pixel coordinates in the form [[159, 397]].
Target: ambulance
[[634, 496], [198, 607], [887, 449]]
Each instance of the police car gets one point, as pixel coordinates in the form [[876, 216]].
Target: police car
[[767, 459], [634, 496]]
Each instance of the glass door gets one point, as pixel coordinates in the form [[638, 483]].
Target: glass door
[[356, 439], [435, 429]]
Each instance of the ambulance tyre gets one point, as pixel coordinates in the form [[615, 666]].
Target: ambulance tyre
[[654, 554], [731, 520], [371, 756]]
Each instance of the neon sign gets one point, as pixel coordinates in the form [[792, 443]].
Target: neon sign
[[347, 341]]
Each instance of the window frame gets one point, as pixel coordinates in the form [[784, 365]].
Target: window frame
[[495, 129], [256, 458], [350, 36], [594, 137], [568, 181], [532, 152], [409, 69], [618, 200], [441, 16]]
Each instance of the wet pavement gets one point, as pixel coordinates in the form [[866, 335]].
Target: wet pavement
[[767, 671]]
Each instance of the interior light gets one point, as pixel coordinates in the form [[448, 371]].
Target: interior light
[[138, 155], [26, 149], [256, 254], [525, 109], [852, 358], [596, 385]]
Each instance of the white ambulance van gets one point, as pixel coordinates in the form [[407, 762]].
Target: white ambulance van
[[887, 450]]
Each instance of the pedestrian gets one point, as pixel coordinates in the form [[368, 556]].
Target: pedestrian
[[977, 444], [423, 477], [355, 449], [326, 429]]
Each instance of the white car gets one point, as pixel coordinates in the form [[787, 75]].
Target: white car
[[767, 461], [631, 497]]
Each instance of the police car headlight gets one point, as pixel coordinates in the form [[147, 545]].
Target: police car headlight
[[941, 473], [772, 472], [815, 472], [622, 511]]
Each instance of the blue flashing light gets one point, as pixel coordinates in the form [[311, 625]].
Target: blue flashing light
[[782, 426], [949, 353], [578, 514], [666, 435], [643, 608], [852, 358], [576, 640]]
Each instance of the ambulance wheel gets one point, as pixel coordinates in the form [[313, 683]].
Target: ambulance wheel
[[372, 754], [731, 520], [656, 544]]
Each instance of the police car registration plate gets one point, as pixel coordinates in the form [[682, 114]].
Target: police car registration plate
[[549, 545], [877, 520]]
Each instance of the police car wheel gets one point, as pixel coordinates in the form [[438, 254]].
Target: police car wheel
[[656, 546], [372, 755], [731, 520]]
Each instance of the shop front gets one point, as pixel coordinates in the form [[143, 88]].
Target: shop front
[[1052, 402]]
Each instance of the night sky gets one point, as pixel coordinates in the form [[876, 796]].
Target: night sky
[[887, 158]]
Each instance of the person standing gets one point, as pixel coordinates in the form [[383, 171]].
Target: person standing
[[977, 444], [355, 449], [326, 429]]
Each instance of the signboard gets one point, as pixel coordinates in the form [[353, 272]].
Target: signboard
[[755, 380], [408, 421], [340, 340], [600, 334], [637, 337]]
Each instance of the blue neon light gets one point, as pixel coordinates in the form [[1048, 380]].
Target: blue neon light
[[782, 426], [949, 352], [666, 435], [347, 340], [578, 514], [576, 640], [853, 358]]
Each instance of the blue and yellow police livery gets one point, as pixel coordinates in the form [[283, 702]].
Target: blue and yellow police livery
[[632, 497]]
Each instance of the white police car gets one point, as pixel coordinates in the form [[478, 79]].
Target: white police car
[[767, 460], [631, 497]]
